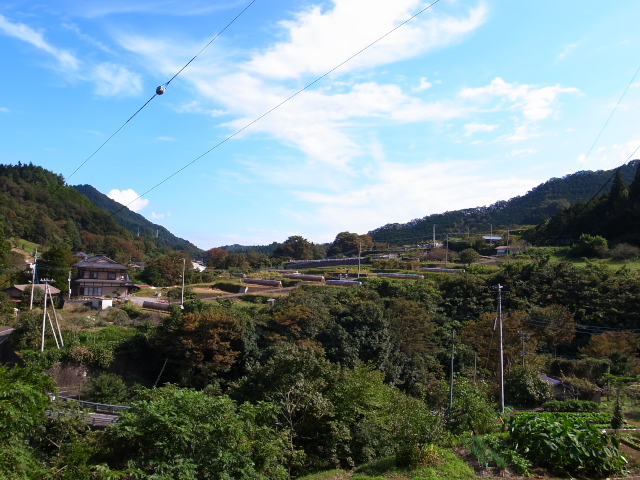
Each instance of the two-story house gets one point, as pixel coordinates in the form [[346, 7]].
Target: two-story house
[[100, 276]]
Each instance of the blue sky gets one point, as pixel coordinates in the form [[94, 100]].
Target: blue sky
[[469, 103]]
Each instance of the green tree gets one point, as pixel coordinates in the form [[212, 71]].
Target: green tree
[[525, 388], [55, 264], [472, 411], [589, 246], [167, 269], [107, 388], [182, 433], [469, 256], [348, 243], [24, 402], [295, 247]]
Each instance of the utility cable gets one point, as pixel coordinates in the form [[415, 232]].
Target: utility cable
[[237, 132], [159, 91], [612, 112]]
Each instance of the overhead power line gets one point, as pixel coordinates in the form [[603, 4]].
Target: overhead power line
[[159, 91], [237, 132]]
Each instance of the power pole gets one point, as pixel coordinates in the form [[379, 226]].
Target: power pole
[[524, 336], [501, 359], [359, 255], [453, 351], [184, 262], [33, 277], [44, 315]]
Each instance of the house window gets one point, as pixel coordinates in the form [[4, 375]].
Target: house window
[[93, 291], [111, 276], [93, 274]]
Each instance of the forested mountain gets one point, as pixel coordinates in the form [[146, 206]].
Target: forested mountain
[[614, 215], [136, 223], [536, 206], [36, 205]]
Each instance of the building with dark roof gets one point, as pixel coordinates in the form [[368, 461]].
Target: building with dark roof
[[100, 276]]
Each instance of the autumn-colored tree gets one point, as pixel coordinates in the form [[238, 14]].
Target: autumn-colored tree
[[207, 342], [603, 345], [216, 257], [482, 336], [556, 325]]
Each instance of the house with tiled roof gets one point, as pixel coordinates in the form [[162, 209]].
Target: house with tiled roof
[[100, 276]]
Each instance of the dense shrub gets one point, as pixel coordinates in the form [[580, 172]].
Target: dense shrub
[[568, 444], [291, 282], [591, 369], [570, 406], [227, 287], [525, 388], [624, 251]]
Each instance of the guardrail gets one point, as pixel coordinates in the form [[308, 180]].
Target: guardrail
[[96, 407]]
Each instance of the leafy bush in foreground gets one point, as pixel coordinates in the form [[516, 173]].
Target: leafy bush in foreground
[[569, 444]]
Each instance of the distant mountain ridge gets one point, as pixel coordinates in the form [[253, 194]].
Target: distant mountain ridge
[[136, 223], [537, 205]]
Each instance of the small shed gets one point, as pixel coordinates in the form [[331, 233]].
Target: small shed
[[100, 303]]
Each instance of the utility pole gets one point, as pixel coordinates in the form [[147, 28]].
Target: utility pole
[[524, 336], [44, 315], [359, 255], [501, 349], [33, 277], [446, 251], [434, 236], [69, 279], [453, 351], [184, 263]]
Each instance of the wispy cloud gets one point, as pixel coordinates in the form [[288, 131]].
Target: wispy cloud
[[471, 128], [317, 37], [535, 103], [112, 79], [128, 198], [567, 50], [23, 32], [4, 109]]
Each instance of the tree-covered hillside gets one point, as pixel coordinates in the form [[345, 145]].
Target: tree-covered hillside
[[136, 223], [540, 204], [37, 206], [614, 215]]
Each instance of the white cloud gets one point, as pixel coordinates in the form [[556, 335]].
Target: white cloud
[[316, 38], [534, 103], [27, 34], [402, 192], [613, 155], [521, 133], [568, 49], [112, 79], [128, 198], [524, 151], [166, 139], [157, 216], [471, 128], [4, 109], [424, 85]]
